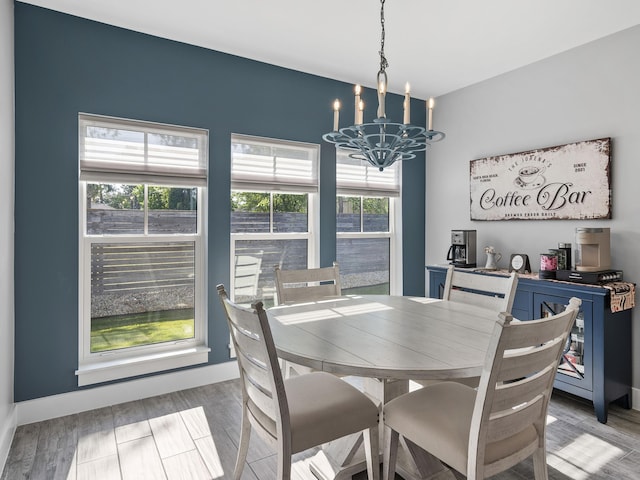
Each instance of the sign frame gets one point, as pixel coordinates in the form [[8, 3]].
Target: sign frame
[[565, 182]]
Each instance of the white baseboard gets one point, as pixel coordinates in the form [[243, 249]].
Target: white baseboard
[[7, 430], [63, 404], [54, 406]]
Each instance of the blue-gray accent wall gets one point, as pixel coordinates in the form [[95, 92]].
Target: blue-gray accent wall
[[66, 65]]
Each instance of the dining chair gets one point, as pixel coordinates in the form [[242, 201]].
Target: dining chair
[[483, 432], [307, 284], [246, 275], [495, 292], [298, 413]]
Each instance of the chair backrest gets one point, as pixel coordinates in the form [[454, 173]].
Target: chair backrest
[[262, 384], [515, 388], [246, 275], [495, 292], [307, 284]]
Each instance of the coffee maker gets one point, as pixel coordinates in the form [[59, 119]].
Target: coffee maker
[[593, 251], [462, 252]]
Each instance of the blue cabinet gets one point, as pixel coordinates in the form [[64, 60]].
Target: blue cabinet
[[596, 364]]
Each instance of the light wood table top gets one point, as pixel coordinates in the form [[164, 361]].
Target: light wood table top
[[386, 337], [387, 340]]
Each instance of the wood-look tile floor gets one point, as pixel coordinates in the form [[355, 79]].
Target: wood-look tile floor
[[193, 434]]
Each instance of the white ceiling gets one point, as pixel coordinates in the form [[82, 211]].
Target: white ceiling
[[437, 45]]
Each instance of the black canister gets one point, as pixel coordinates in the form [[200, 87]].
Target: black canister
[[566, 247]]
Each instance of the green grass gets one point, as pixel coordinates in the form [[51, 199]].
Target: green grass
[[124, 331]]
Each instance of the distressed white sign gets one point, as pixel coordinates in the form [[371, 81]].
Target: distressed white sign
[[566, 182]]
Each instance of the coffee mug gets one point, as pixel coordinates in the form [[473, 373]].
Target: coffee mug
[[529, 173]]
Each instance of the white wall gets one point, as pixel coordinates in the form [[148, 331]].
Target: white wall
[[7, 407], [590, 92]]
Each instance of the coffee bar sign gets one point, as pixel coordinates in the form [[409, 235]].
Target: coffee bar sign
[[566, 182]]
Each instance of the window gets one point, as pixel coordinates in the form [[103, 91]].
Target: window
[[274, 205], [142, 248], [368, 229]]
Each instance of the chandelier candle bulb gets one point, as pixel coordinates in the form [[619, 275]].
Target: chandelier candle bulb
[[336, 114], [407, 105], [357, 105], [430, 104], [381, 94], [360, 113]]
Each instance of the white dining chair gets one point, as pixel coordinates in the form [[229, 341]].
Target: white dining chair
[[495, 292], [483, 432], [307, 284], [246, 275], [298, 413]]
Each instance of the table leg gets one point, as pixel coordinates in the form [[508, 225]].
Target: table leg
[[342, 459]]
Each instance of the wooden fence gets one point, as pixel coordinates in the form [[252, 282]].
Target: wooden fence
[[117, 267], [151, 276], [114, 221]]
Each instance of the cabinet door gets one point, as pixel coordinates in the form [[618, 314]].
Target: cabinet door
[[577, 358], [436, 283], [522, 304]]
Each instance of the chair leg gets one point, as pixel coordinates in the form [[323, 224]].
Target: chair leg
[[284, 464], [540, 470], [243, 445], [390, 453], [285, 369], [372, 452]]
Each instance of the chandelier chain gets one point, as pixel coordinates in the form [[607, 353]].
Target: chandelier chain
[[383, 60]]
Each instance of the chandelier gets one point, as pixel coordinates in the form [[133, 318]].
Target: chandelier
[[382, 142]]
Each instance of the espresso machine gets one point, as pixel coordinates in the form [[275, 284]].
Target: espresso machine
[[462, 252], [592, 258], [593, 250]]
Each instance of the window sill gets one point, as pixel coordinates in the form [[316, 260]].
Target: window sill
[[115, 369]]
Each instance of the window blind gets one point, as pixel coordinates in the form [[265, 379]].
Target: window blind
[[357, 177], [265, 164], [129, 151]]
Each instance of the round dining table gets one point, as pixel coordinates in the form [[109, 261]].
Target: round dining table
[[384, 341]]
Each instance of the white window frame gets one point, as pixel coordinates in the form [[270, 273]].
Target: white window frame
[[123, 363], [273, 185], [268, 180], [311, 236], [362, 186]]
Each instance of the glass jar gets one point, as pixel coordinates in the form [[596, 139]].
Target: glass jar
[[566, 247], [562, 257], [548, 265]]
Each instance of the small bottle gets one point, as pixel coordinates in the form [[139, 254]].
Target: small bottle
[[572, 355]]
